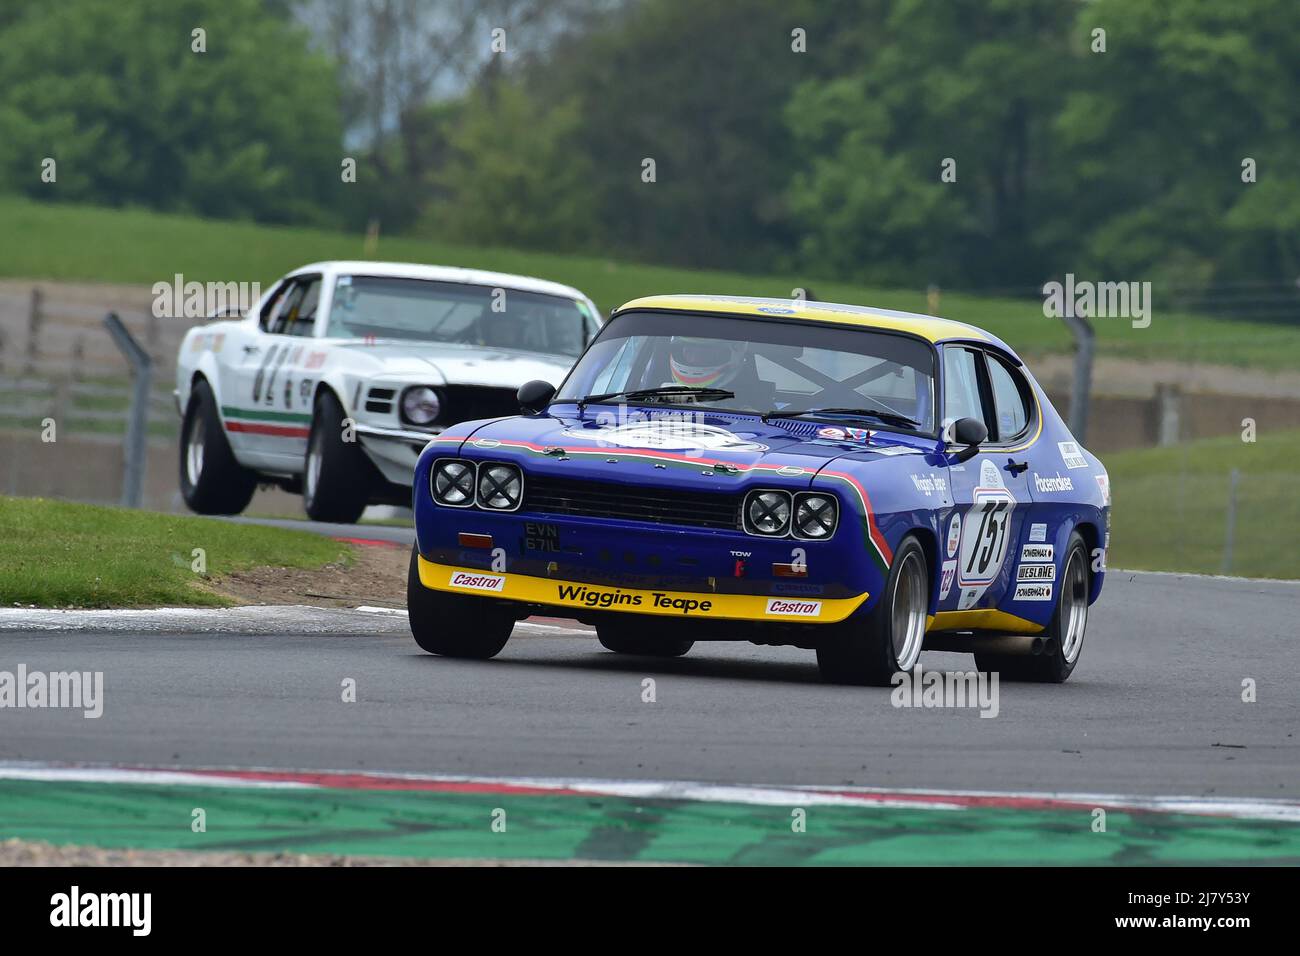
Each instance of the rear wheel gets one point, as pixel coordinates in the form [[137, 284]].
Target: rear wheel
[[212, 481], [1064, 635], [338, 476], [870, 648], [451, 624], [641, 638]]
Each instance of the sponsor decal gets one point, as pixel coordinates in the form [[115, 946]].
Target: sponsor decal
[[1036, 572], [789, 608], [477, 582], [1037, 552], [1071, 455], [790, 471], [1038, 532], [954, 535], [486, 443], [930, 484], [858, 434], [1103, 482], [667, 435], [985, 531], [896, 450], [1033, 592], [776, 310], [1053, 483], [315, 360], [945, 579], [832, 434], [969, 597], [589, 597]]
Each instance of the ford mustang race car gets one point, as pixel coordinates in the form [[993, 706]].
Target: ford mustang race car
[[856, 481], [338, 377]]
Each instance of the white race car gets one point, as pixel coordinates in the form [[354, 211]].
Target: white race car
[[338, 377]]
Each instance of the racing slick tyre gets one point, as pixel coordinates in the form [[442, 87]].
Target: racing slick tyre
[[870, 648], [338, 478], [452, 625], [643, 639], [212, 481], [1063, 638]]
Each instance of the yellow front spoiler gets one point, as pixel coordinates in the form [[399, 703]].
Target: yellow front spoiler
[[774, 609]]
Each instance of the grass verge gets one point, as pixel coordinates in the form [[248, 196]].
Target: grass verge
[[1170, 507], [87, 243], [60, 554]]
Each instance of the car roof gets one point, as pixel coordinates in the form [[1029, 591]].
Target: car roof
[[415, 270], [928, 327]]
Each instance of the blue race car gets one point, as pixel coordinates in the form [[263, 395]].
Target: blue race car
[[859, 482]]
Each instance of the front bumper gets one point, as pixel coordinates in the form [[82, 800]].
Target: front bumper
[[599, 598]]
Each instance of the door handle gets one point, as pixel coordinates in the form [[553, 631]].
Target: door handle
[[250, 349], [1016, 467]]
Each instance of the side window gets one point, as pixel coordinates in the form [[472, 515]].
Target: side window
[[1009, 399], [297, 309], [961, 385], [267, 315]]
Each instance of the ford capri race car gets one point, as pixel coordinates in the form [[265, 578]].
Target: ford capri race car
[[338, 377], [855, 481]]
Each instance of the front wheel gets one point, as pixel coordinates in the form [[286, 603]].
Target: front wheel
[[870, 649], [1064, 635], [453, 625], [212, 481], [338, 477]]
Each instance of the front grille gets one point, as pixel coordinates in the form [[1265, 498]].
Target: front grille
[[463, 403], [599, 499], [380, 400]]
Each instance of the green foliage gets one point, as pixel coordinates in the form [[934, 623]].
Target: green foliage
[[115, 94]]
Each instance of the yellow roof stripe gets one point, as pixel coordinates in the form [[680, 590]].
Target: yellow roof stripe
[[926, 326]]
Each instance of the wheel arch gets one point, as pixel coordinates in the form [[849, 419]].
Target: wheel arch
[[928, 539], [1092, 540]]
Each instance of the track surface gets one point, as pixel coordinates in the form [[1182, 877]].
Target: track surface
[[1155, 706]]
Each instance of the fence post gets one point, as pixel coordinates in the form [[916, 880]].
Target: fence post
[[1230, 522], [34, 331], [1081, 387], [137, 425]]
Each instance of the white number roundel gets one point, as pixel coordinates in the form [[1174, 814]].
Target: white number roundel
[[985, 530]]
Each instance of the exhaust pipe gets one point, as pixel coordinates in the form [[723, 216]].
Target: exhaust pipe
[[1006, 644]]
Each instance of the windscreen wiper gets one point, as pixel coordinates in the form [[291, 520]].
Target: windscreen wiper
[[663, 391], [877, 414]]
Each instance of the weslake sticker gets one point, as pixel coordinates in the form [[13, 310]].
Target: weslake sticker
[[1036, 572]]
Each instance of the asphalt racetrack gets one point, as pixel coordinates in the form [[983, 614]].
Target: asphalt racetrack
[[1155, 706]]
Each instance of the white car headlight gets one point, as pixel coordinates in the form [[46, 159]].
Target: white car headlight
[[453, 483], [420, 405], [767, 512], [500, 487], [815, 515]]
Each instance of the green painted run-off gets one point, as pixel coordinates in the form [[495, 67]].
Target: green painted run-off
[[459, 826]]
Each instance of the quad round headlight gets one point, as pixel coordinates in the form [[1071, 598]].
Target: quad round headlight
[[420, 405], [500, 487], [767, 512], [453, 483], [815, 516]]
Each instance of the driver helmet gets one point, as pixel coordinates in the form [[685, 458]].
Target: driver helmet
[[705, 363]]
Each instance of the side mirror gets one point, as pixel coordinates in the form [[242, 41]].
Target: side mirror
[[969, 432], [535, 396]]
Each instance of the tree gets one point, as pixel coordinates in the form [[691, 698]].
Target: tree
[[118, 96]]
